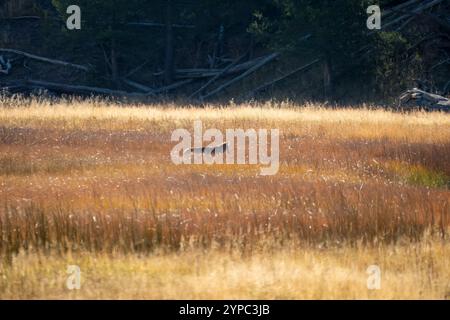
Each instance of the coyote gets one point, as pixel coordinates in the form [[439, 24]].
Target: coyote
[[241, 147], [212, 150]]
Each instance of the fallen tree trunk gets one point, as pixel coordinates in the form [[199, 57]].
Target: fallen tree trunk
[[172, 86], [418, 9], [22, 18], [138, 86], [80, 89], [245, 74], [137, 68], [77, 89], [206, 73], [217, 76], [44, 59], [158, 24], [416, 98], [270, 83], [385, 14], [431, 17]]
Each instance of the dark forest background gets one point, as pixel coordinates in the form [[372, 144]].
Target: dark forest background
[[132, 45]]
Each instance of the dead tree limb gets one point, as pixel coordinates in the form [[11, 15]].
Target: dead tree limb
[[44, 59], [243, 75]]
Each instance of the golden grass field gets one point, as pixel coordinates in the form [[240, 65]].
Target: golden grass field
[[91, 183]]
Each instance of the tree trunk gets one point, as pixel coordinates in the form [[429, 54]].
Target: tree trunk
[[327, 81], [169, 56], [11, 8], [114, 64]]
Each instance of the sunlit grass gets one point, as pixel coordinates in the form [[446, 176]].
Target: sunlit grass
[[419, 175], [408, 271], [92, 183], [345, 123]]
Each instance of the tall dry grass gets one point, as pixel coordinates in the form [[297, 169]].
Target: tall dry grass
[[80, 177], [419, 271]]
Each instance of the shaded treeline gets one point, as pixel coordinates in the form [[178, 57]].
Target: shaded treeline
[[156, 46]]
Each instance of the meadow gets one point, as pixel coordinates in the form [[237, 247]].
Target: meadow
[[91, 183]]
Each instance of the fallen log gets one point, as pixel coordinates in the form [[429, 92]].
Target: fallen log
[[404, 24], [433, 18], [272, 82], [84, 90], [394, 10], [416, 98], [158, 24], [206, 73], [137, 68], [138, 86], [22, 18], [172, 86], [79, 89], [418, 9], [263, 62], [44, 59], [217, 76]]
